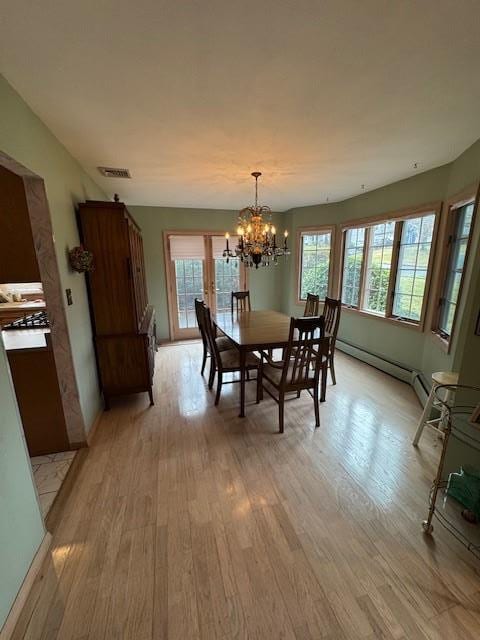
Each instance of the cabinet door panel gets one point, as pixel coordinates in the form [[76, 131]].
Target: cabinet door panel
[[18, 259], [123, 364], [138, 272], [39, 400], [105, 233]]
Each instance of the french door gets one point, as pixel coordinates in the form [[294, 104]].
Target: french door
[[197, 269]]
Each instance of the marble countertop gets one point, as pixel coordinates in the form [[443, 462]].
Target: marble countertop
[[25, 339], [28, 305]]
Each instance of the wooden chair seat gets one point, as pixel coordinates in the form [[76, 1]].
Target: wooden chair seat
[[224, 344], [230, 360], [274, 371]]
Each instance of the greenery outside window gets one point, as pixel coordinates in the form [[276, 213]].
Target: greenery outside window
[[315, 249], [386, 267]]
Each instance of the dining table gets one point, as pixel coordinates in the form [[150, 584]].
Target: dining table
[[250, 331]]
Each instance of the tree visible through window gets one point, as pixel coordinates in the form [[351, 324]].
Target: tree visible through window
[[315, 252]]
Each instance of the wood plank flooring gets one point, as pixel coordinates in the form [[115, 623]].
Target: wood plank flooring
[[187, 522]]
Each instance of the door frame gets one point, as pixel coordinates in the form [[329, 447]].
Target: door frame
[[208, 275]]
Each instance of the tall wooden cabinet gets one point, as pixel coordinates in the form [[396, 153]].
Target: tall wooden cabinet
[[123, 322]]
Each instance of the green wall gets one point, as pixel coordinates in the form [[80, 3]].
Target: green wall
[[25, 138], [265, 283], [21, 525]]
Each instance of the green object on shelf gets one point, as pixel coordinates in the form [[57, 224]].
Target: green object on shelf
[[465, 488]]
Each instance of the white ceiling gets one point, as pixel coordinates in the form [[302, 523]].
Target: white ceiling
[[193, 95]]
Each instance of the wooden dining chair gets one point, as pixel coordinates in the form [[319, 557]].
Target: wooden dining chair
[[305, 359], [331, 312], [227, 361], [311, 305], [240, 301], [222, 342]]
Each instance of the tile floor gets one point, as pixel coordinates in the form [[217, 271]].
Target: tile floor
[[49, 472]]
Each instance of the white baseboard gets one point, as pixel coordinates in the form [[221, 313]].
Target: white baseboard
[[397, 370], [394, 369], [22, 595]]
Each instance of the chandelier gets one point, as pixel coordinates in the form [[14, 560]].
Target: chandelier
[[257, 237]]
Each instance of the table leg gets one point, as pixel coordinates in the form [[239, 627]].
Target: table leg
[[243, 356]]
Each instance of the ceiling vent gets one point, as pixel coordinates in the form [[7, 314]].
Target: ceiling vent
[[112, 172]]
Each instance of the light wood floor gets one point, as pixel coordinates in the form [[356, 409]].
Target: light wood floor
[[187, 522]]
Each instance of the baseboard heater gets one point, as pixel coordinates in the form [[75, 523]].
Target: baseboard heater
[[395, 369]]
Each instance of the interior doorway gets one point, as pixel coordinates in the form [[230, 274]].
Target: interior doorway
[[196, 268], [34, 333]]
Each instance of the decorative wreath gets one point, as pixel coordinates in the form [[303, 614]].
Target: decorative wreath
[[81, 260]]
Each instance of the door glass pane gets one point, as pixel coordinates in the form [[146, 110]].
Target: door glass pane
[[227, 279], [189, 284]]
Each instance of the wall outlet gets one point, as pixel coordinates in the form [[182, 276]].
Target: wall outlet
[[69, 297]]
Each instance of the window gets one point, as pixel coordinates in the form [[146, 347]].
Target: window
[[352, 266], [458, 244], [412, 271], [315, 254], [386, 267], [379, 262]]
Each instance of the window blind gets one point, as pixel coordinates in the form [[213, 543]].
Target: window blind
[[187, 247]]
